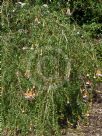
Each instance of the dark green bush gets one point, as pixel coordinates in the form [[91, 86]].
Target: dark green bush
[[42, 49], [86, 11]]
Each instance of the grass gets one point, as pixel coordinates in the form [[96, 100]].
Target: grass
[[45, 62]]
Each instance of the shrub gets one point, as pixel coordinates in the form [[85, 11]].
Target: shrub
[[45, 61], [86, 11], [94, 30]]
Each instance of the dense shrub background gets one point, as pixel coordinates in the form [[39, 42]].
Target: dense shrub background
[[27, 34], [82, 12]]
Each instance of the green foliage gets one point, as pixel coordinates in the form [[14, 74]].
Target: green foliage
[[86, 11], [94, 30], [40, 48]]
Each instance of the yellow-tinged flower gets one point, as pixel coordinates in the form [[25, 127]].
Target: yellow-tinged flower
[[37, 20], [98, 73], [30, 94], [27, 74], [88, 82], [85, 95]]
